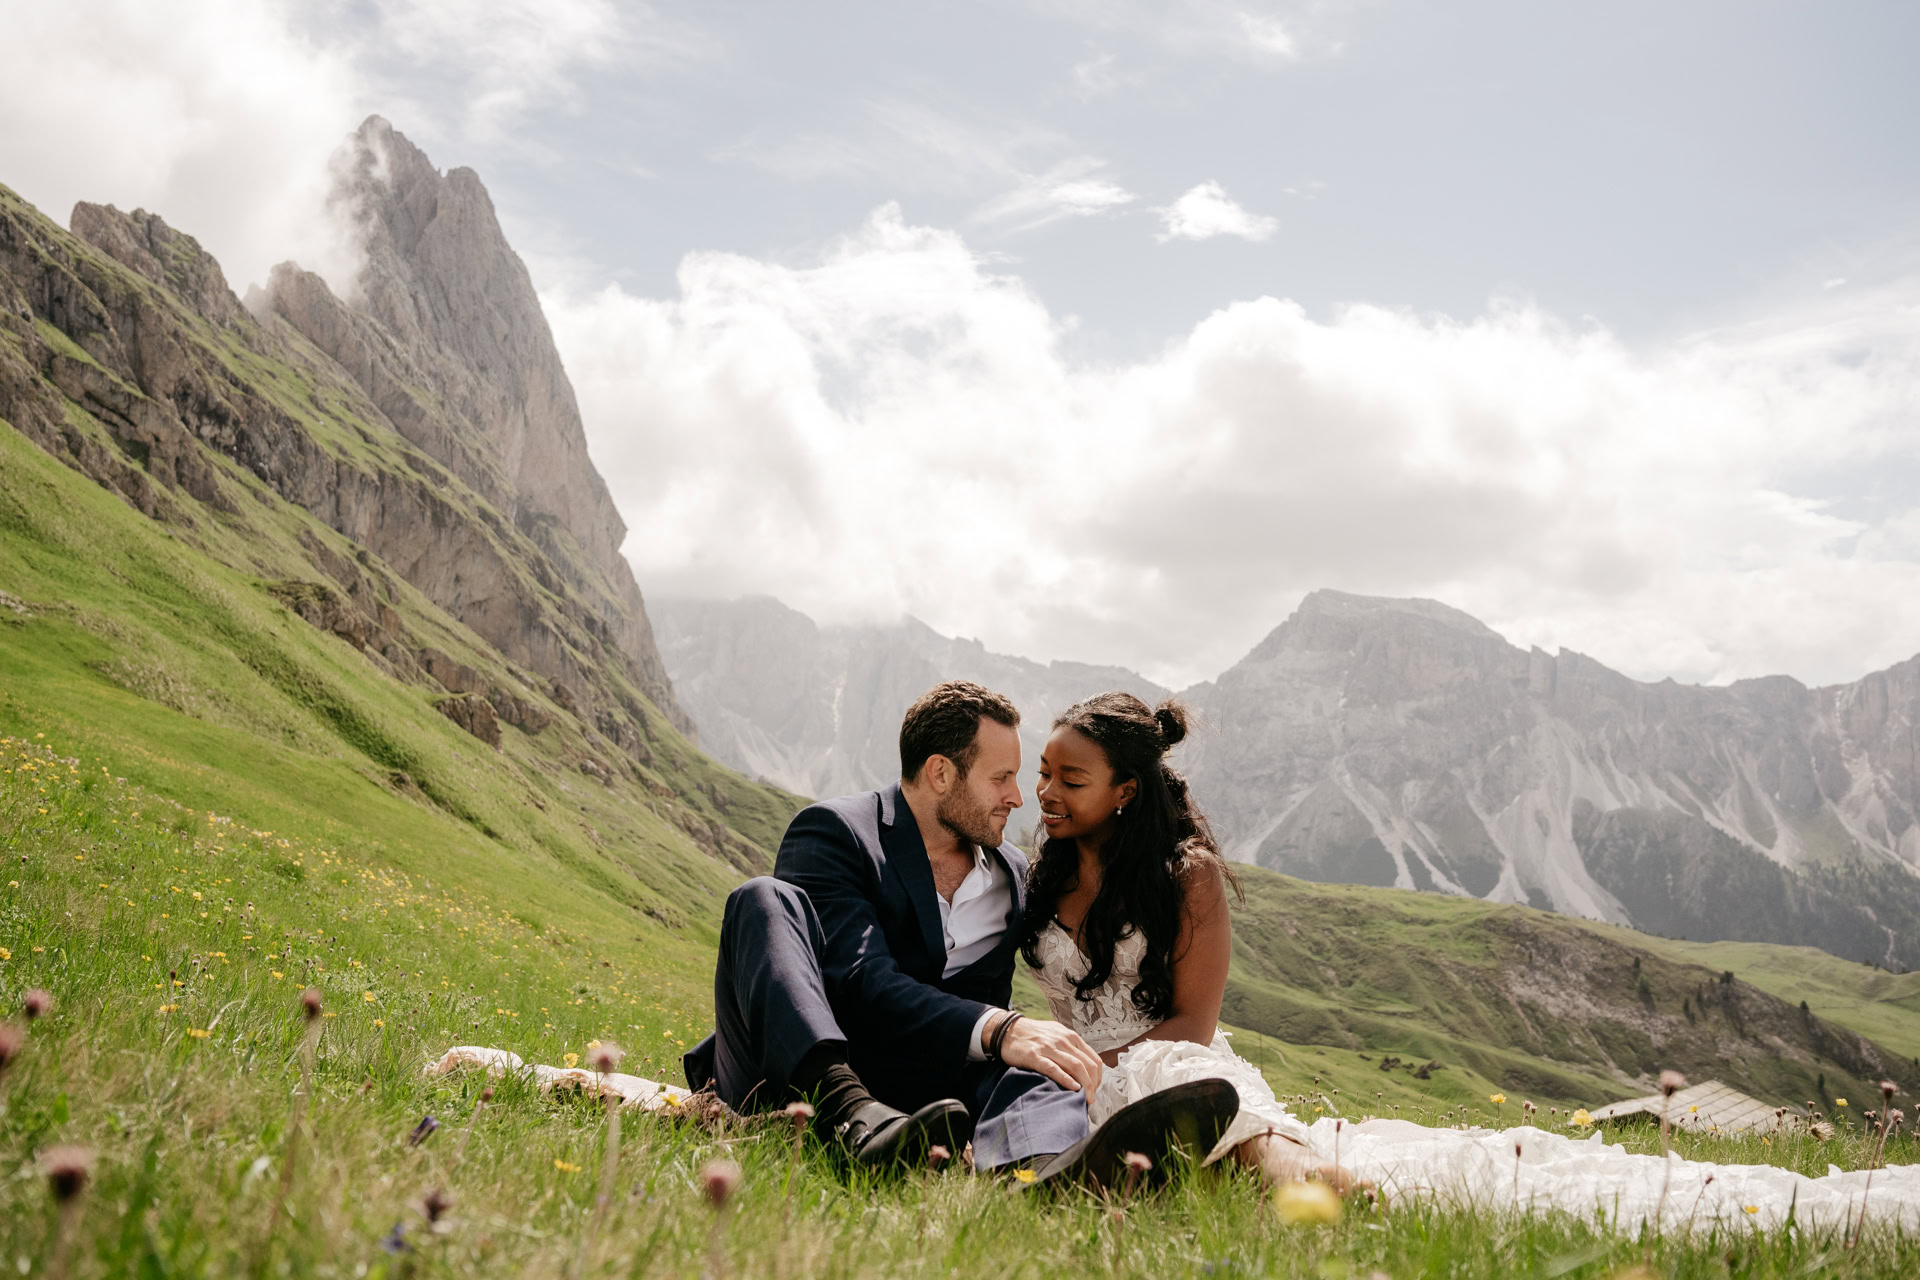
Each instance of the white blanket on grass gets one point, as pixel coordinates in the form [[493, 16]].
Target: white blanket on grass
[[1478, 1168]]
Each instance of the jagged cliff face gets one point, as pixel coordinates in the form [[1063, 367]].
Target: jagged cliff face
[[445, 334], [393, 456], [1400, 742], [817, 709]]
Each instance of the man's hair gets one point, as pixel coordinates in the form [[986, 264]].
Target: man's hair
[[945, 721]]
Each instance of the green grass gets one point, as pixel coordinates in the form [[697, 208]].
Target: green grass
[[175, 942]]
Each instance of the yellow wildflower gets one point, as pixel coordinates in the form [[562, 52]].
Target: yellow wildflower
[[379, 1022], [197, 1033], [564, 1167], [1301, 1203], [1839, 1102], [1581, 1118], [570, 1059], [5, 954], [277, 975], [1497, 1099], [1024, 1175], [1752, 1208]]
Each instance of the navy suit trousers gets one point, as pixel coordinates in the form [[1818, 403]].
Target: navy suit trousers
[[772, 1008]]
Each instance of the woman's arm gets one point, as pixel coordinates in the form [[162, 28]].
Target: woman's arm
[[1200, 957]]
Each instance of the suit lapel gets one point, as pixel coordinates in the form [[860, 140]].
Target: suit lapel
[[907, 856]]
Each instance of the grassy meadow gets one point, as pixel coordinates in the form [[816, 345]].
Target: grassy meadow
[[175, 942]]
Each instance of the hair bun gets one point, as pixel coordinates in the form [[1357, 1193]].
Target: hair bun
[[1172, 719]]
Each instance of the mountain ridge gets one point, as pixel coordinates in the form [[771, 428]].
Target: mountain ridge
[[1404, 743]]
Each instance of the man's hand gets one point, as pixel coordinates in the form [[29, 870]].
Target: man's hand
[[1050, 1048]]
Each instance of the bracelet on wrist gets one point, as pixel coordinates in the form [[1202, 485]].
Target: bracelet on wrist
[[1000, 1035]]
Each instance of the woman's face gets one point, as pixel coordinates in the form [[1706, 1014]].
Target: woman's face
[[1077, 791]]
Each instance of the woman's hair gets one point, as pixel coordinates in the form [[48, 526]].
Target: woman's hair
[[1158, 840]]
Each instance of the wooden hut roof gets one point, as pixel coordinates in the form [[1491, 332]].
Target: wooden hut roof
[[1708, 1107]]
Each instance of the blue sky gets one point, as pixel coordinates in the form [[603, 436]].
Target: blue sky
[[1106, 330]]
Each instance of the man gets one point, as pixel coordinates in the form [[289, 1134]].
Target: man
[[871, 973]]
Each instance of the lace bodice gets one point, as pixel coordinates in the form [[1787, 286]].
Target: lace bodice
[[1108, 1020]]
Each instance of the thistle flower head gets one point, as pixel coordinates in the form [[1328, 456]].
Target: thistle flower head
[[486, 1094], [937, 1155], [1671, 1082], [12, 1040], [719, 1179], [435, 1204], [799, 1112], [1137, 1163], [310, 1002], [36, 1002], [1887, 1087], [1821, 1130], [605, 1056], [67, 1170]]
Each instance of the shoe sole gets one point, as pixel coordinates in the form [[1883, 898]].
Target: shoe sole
[[1184, 1121]]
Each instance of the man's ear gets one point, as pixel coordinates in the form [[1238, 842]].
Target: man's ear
[[937, 774]]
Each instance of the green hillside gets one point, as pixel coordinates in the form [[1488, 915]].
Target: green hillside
[[1509, 999]]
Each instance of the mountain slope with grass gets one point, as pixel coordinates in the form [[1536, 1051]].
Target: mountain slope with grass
[[222, 555], [1457, 999]]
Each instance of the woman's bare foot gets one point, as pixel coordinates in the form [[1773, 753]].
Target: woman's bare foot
[[1281, 1159]]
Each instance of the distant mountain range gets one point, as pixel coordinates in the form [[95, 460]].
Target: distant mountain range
[[817, 709], [1402, 742]]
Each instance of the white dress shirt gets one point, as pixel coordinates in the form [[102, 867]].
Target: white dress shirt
[[973, 923]]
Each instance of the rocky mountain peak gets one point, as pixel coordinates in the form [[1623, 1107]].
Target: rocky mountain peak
[[1336, 621], [440, 276], [445, 334]]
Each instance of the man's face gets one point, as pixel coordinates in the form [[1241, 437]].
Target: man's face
[[976, 807]]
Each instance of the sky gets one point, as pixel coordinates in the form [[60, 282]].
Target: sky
[[1106, 330]]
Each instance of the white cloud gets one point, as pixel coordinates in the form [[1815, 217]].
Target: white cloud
[[897, 428], [496, 60], [1268, 33], [1035, 175], [1206, 211], [1074, 189], [222, 115], [215, 115], [1097, 75]]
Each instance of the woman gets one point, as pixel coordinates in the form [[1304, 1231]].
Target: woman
[[1126, 924]]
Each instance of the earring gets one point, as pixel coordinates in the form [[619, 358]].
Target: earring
[[1117, 812]]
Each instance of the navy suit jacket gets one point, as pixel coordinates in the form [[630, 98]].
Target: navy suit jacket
[[862, 864]]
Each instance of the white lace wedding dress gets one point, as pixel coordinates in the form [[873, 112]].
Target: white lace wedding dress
[[1519, 1169], [1110, 1019]]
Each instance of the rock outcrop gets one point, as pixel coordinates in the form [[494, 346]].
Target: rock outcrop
[[445, 335]]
